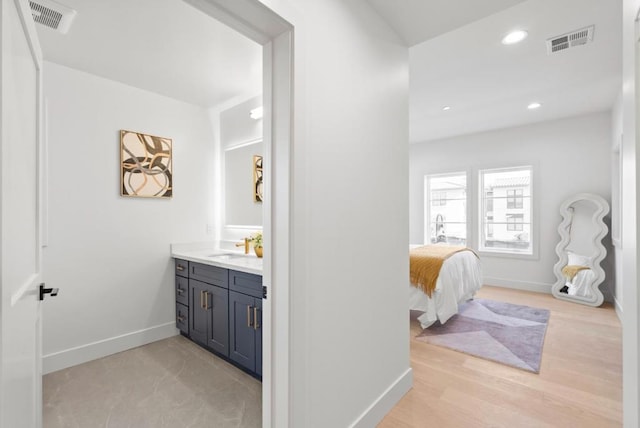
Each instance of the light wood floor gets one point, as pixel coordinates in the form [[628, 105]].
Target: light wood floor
[[579, 384]]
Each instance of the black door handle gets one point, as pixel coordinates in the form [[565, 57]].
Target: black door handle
[[43, 291]]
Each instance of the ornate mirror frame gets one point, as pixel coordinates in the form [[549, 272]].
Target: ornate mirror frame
[[600, 230]]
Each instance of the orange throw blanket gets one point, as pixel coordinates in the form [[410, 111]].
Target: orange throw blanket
[[425, 263], [570, 271]]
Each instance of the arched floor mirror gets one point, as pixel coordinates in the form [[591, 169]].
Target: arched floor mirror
[[580, 251]]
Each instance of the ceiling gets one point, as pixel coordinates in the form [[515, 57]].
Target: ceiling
[[419, 20], [164, 46], [489, 85], [456, 58]]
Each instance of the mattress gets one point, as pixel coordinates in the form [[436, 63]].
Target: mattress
[[459, 279]]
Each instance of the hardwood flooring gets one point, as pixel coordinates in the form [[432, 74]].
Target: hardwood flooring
[[579, 384]]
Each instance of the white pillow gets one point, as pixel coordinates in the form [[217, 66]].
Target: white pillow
[[578, 260]]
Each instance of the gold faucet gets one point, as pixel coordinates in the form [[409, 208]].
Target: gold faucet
[[246, 245]]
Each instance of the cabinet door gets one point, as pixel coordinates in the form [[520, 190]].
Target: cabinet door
[[258, 328], [242, 347], [182, 268], [197, 313], [217, 304], [182, 290], [182, 318]]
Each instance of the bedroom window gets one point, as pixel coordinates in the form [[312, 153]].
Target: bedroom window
[[505, 210], [514, 222], [446, 208], [438, 199], [514, 198]]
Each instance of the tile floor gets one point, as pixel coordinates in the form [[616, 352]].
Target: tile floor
[[170, 383]]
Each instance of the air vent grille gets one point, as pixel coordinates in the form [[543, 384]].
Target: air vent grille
[[570, 40], [45, 16], [52, 15]]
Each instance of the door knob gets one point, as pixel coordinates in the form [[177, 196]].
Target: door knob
[[43, 291]]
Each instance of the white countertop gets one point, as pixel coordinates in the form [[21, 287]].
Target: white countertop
[[210, 254]]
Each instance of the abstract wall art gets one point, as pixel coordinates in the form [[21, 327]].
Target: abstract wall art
[[257, 178], [145, 165]]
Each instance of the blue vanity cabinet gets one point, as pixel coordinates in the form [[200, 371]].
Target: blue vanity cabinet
[[209, 316], [258, 304], [245, 331], [245, 320], [182, 318], [182, 268], [221, 310], [182, 296]]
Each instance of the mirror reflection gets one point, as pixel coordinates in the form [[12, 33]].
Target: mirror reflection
[[241, 204], [580, 251]]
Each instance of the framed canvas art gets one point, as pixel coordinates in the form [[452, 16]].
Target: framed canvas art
[[145, 165], [257, 178]]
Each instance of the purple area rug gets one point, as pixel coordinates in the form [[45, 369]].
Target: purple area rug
[[498, 331]]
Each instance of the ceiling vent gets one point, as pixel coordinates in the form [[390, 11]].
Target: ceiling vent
[[53, 15], [570, 40]]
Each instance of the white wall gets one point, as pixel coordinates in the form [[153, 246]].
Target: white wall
[[349, 320], [630, 319], [109, 255], [616, 199], [568, 156]]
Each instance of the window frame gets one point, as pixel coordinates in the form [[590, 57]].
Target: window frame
[[428, 204], [480, 213]]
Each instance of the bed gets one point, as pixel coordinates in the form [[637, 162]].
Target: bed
[[580, 284], [458, 280]]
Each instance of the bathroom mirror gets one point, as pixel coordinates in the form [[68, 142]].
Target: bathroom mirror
[[240, 205], [580, 251]]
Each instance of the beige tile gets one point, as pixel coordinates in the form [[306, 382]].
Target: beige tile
[[169, 383]]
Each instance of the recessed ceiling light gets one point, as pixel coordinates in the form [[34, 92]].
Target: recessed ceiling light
[[534, 106], [514, 37], [445, 108]]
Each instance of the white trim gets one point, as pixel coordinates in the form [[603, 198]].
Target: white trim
[[427, 203], [618, 307], [258, 22], [538, 287], [243, 144], [533, 219], [386, 401], [102, 348]]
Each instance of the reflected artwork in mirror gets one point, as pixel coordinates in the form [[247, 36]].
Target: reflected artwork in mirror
[[580, 251]]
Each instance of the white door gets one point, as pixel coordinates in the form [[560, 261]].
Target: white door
[[20, 252]]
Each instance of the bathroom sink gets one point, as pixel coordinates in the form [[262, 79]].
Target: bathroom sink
[[228, 256]]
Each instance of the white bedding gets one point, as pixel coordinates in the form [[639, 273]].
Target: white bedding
[[460, 277], [579, 286]]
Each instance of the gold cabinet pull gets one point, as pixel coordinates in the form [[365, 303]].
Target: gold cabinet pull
[[202, 299], [255, 318], [206, 300], [180, 318], [180, 290], [249, 323], [179, 268]]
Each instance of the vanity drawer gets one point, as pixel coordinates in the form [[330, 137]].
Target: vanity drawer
[[246, 283], [210, 274], [182, 290], [182, 318], [182, 268]]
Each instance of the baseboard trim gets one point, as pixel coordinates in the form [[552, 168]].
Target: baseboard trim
[[618, 308], [102, 348], [538, 287], [385, 402]]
